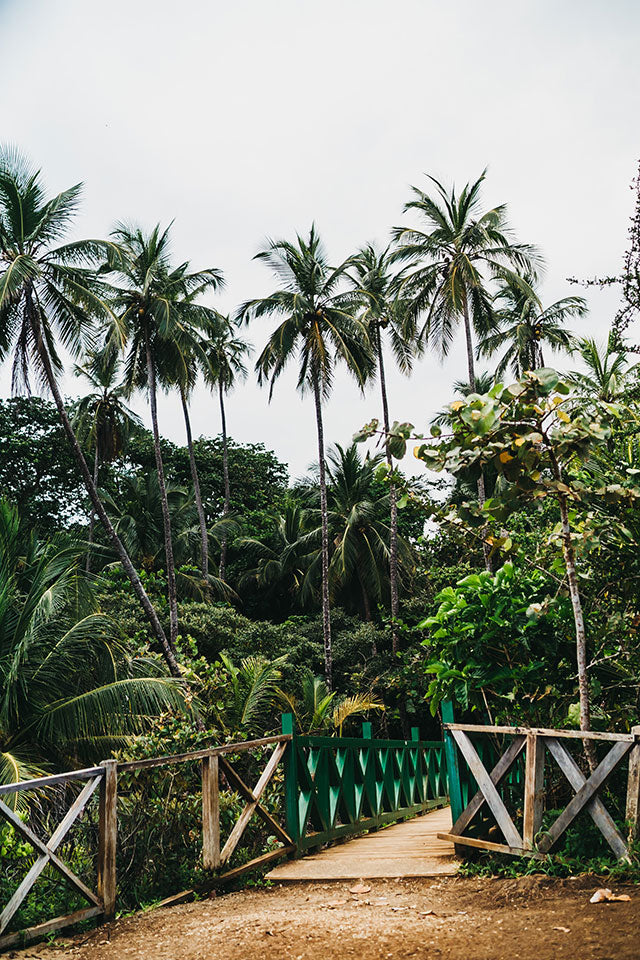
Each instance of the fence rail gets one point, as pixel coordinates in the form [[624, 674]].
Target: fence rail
[[537, 745]]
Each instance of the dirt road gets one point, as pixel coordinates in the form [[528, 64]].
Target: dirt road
[[532, 918]]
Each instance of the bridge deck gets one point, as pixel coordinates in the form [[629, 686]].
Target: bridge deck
[[409, 849]]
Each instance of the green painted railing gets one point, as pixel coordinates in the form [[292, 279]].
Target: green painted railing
[[339, 786]]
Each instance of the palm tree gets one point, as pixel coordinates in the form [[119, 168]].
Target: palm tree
[[67, 686], [320, 710], [157, 308], [224, 353], [361, 539], [102, 419], [523, 325], [50, 292], [607, 376], [320, 328], [450, 263], [383, 310]]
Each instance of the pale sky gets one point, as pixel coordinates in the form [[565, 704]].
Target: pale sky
[[251, 118]]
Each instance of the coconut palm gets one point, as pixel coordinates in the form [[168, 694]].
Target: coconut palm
[[102, 419], [224, 354], [384, 313], [67, 687], [319, 328], [157, 308], [523, 326], [249, 691], [450, 261], [607, 375], [49, 293]]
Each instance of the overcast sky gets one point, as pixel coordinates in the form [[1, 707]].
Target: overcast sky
[[250, 118]]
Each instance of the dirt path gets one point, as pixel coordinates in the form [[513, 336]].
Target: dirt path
[[532, 918]]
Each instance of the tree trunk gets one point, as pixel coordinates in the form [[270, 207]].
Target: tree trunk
[[98, 506], [227, 486], [92, 519], [326, 613], [366, 606], [578, 618], [166, 520], [486, 552], [204, 539], [393, 503]]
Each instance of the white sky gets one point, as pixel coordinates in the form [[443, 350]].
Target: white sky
[[251, 118]]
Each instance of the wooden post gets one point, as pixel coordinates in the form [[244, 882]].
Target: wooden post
[[210, 814], [453, 766], [415, 733], [533, 789], [290, 763], [633, 788], [108, 838]]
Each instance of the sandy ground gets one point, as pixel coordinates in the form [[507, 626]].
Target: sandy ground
[[531, 918]]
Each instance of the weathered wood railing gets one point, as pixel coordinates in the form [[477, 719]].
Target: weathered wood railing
[[536, 743], [214, 761], [337, 787]]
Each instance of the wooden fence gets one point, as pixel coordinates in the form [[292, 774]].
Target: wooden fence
[[538, 745]]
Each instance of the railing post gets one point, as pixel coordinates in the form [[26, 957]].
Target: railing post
[[533, 789], [108, 834], [633, 788], [290, 763], [210, 813], [453, 766]]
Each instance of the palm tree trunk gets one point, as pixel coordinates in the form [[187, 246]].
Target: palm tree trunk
[[366, 606], [227, 486], [326, 613], [92, 519], [172, 591], [98, 506], [472, 386], [204, 539], [393, 503], [578, 617]]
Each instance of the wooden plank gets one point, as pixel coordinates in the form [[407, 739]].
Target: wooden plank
[[236, 780], [72, 814], [533, 789], [49, 926], [492, 847], [586, 793], [40, 782], [108, 838], [491, 795], [210, 814], [239, 747], [500, 771], [41, 847], [594, 807], [633, 788], [253, 798], [257, 862], [542, 732]]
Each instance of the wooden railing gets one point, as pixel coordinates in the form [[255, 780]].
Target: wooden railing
[[337, 787], [102, 902], [537, 743]]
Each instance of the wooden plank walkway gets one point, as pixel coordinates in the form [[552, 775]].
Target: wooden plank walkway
[[409, 849]]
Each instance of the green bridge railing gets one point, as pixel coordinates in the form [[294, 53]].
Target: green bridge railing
[[339, 786]]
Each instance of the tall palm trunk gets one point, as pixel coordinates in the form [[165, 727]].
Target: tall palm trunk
[[227, 486], [92, 519], [204, 539], [326, 612], [98, 506], [393, 502], [472, 386], [172, 591], [578, 617]]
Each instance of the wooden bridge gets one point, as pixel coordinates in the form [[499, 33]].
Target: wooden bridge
[[388, 798]]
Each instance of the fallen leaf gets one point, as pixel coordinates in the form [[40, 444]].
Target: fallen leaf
[[360, 888], [562, 929], [428, 913], [335, 903], [604, 895]]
